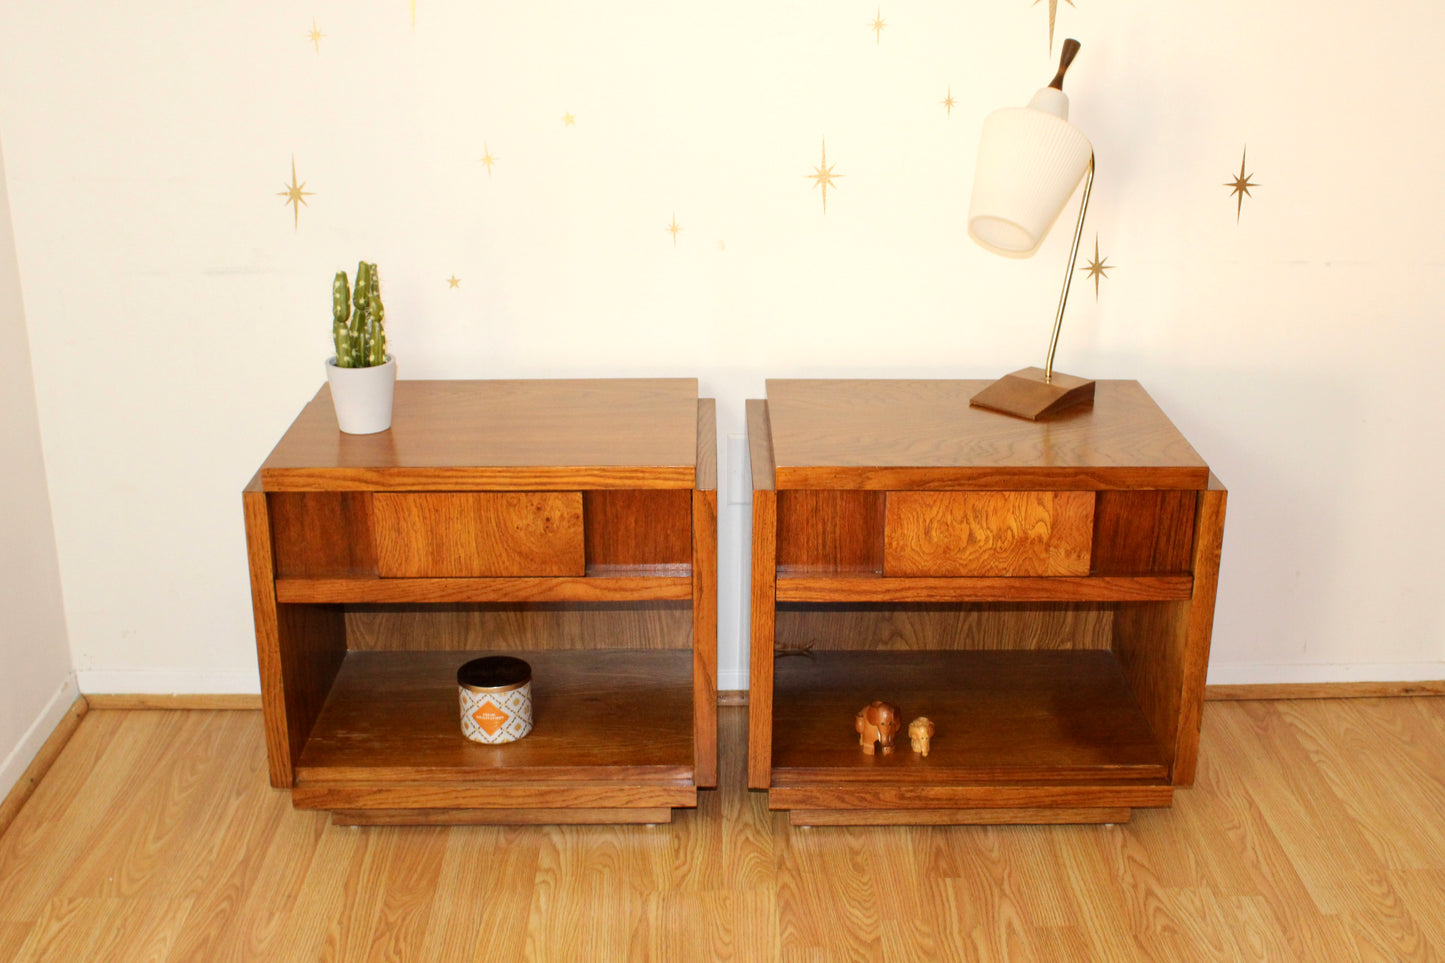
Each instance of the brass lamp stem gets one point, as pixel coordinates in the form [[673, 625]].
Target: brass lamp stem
[[1069, 274]]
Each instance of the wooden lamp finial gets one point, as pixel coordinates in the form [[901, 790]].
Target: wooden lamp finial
[[1070, 51]]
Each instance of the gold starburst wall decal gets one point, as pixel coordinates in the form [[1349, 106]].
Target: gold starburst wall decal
[[569, 119], [1053, 14], [877, 26], [454, 281], [294, 194], [673, 228], [315, 35], [948, 101], [488, 158], [1239, 187], [1098, 267], [823, 175]]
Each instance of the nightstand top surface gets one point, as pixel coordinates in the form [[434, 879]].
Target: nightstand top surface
[[882, 434], [539, 434]]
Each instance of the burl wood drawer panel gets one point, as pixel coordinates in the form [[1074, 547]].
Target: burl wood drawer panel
[[987, 533], [478, 534]]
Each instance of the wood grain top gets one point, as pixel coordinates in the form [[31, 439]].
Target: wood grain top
[[539, 434], [881, 434]]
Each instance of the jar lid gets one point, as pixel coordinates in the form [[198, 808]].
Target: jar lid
[[494, 672]]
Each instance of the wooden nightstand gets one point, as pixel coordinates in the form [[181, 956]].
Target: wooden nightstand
[[571, 523], [1043, 591]]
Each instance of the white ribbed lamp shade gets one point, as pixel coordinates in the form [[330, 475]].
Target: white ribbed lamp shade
[[1030, 159]]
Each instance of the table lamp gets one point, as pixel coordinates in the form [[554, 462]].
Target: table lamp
[[1030, 159]]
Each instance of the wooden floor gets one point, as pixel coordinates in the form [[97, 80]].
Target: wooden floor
[[1316, 832]]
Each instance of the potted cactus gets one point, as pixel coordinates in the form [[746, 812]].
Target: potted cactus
[[362, 375]]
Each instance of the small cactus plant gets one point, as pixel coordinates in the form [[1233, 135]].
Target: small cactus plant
[[357, 319]]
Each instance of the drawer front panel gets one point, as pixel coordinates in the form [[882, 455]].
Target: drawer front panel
[[983, 534], [478, 534]]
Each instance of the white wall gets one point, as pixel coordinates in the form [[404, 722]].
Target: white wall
[[36, 684], [178, 316]]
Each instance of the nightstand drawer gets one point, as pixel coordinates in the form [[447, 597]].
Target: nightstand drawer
[[478, 534], [984, 534]]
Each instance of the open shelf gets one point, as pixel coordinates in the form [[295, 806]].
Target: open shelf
[[1003, 717], [393, 717]]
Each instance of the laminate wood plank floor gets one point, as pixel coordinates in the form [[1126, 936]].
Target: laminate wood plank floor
[[1316, 832]]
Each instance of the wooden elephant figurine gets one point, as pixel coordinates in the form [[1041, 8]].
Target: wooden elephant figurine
[[877, 723]]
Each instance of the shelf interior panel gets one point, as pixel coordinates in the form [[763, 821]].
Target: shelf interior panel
[[615, 714], [926, 627], [530, 626], [1019, 716]]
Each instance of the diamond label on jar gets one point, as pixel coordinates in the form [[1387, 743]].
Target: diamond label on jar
[[490, 718]]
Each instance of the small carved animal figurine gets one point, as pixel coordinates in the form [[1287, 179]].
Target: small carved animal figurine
[[920, 730], [877, 723]]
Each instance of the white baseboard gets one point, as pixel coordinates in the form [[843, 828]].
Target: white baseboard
[[169, 681], [34, 738], [247, 682], [234, 682], [1264, 674], [1317, 673]]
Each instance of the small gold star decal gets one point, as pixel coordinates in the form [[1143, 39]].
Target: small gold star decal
[[569, 120], [294, 193], [488, 158], [1240, 185], [1098, 267], [315, 35], [673, 228], [877, 26], [948, 101], [453, 281], [1053, 11], [823, 175]]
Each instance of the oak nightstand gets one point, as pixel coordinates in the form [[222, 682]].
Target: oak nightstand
[[570, 523], [1043, 591]]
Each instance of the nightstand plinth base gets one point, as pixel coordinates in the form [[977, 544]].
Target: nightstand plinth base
[[954, 817]]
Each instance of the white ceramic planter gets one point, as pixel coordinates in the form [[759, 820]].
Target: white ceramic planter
[[362, 396]]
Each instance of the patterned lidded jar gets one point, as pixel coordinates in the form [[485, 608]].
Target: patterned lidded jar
[[496, 697]]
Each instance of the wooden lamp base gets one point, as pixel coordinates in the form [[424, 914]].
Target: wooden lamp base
[[1025, 394]]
